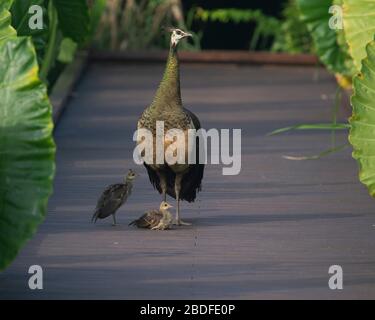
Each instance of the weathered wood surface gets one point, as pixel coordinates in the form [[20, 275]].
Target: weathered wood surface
[[270, 232]]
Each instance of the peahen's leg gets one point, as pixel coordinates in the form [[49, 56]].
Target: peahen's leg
[[163, 185], [177, 188]]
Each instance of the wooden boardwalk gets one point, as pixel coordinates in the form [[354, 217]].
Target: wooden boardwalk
[[270, 232]]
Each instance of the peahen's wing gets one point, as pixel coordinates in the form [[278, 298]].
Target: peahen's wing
[[154, 178], [192, 180]]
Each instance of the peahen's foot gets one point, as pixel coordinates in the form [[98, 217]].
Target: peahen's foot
[[179, 222]]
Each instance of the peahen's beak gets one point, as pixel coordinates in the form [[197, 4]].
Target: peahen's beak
[[188, 35]]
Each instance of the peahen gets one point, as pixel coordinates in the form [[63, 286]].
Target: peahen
[[180, 181], [113, 197]]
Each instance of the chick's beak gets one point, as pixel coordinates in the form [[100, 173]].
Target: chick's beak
[[188, 35]]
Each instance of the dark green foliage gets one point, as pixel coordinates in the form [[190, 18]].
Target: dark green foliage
[[288, 34], [74, 19], [66, 24], [266, 27], [293, 36]]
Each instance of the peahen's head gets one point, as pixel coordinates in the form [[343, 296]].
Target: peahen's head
[[177, 35]]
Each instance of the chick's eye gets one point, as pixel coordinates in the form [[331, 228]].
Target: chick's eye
[[178, 32]]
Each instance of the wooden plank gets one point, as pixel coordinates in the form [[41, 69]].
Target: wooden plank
[[270, 232]]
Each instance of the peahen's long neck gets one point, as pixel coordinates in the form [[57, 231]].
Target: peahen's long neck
[[168, 94]]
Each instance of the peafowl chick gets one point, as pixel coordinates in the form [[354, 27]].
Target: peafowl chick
[[113, 197], [156, 219]]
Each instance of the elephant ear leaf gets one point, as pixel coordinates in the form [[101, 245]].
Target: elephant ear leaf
[[6, 30], [328, 42], [74, 19], [362, 122], [359, 25], [5, 4], [27, 148]]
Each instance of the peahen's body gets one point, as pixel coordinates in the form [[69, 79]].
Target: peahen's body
[[180, 181], [113, 197]]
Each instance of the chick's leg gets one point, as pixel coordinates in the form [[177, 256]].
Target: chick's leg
[[158, 227]]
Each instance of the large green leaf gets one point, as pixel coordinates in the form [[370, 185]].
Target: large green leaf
[[74, 18], [27, 149], [362, 133], [6, 29], [5, 4], [359, 24], [328, 42]]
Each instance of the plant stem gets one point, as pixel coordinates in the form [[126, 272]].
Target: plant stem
[[316, 126], [49, 56], [320, 155], [255, 38]]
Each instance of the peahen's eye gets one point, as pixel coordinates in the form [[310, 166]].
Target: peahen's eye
[[178, 32]]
